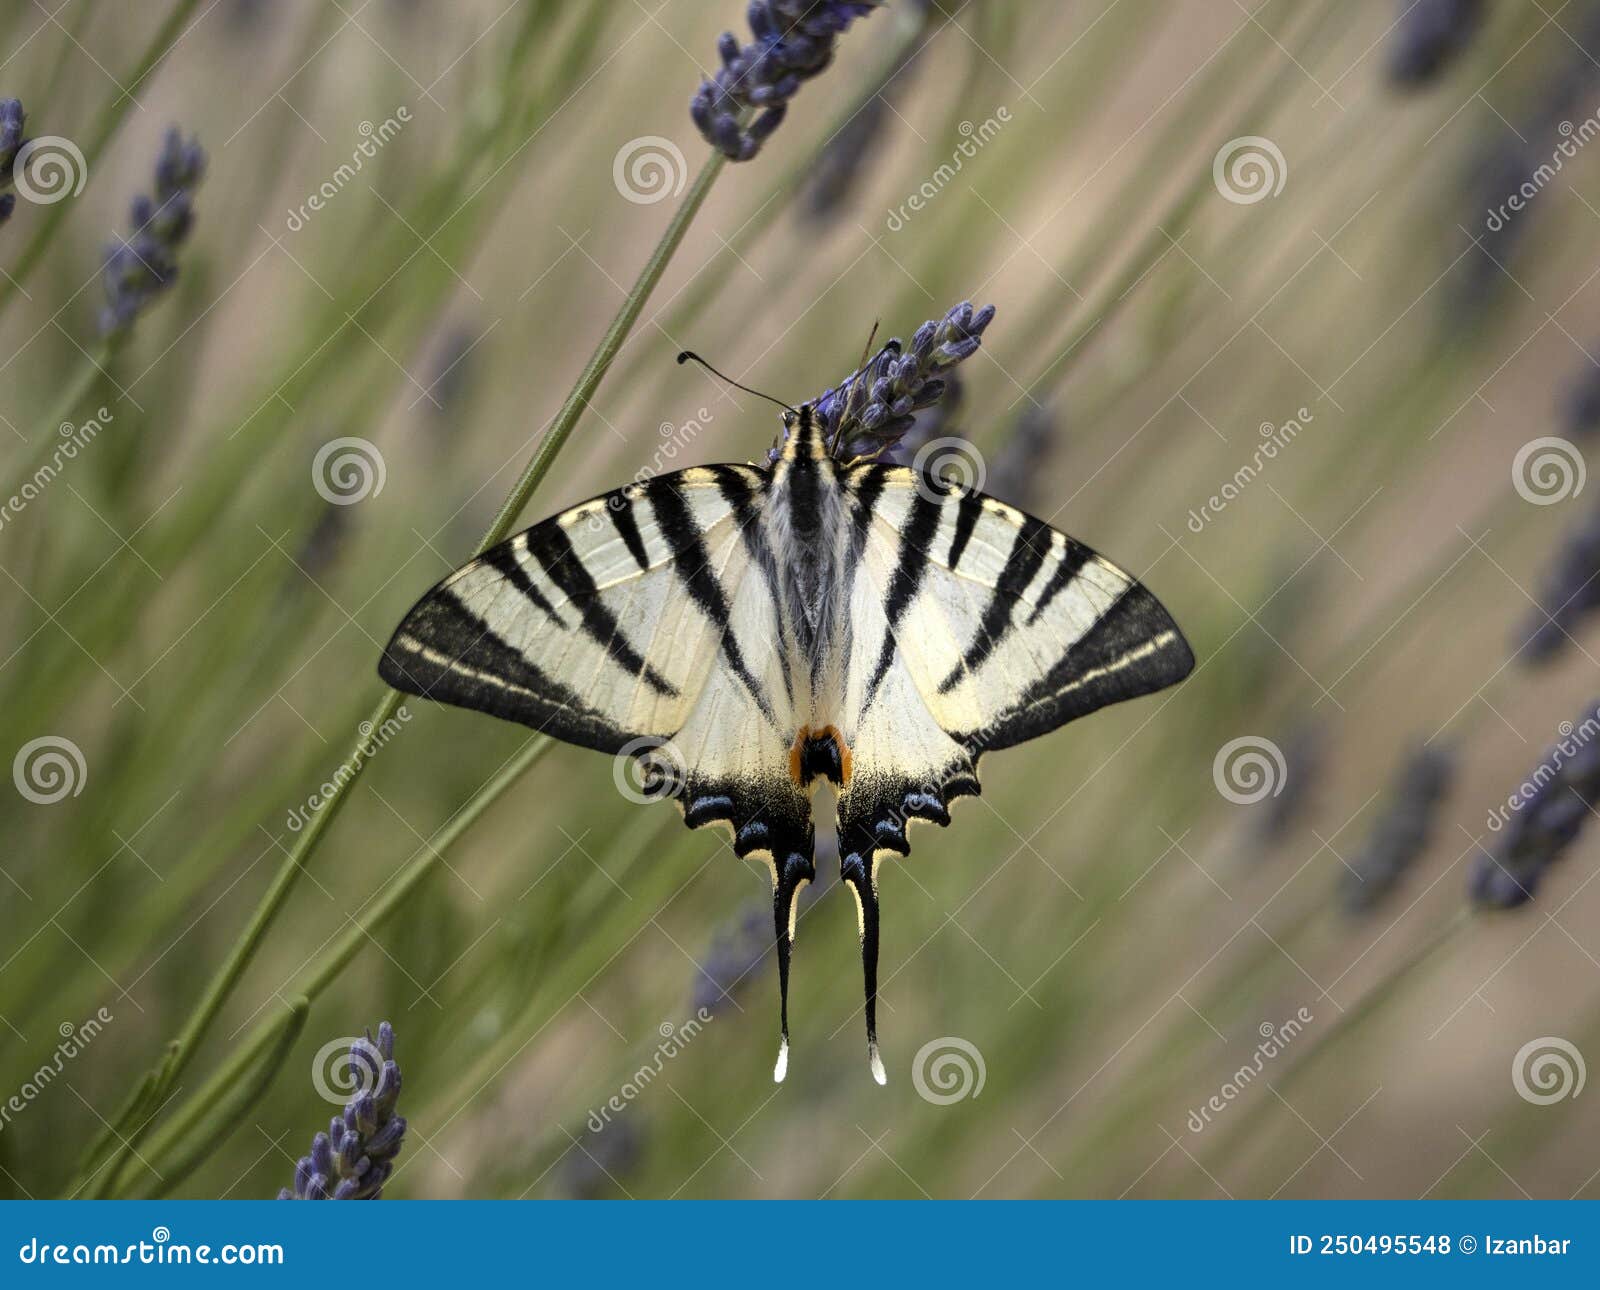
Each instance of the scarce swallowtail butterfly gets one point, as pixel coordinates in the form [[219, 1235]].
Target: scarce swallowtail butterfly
[[747, 632]]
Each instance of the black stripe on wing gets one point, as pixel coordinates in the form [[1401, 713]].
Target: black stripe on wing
[[444, 651], [549, 544], [742, 489], [1133, 649], [922, 522], [1027, 554], [693, 567]]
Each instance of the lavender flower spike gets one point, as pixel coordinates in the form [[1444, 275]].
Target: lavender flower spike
[[1541, 819], [793, 42], [139, 268], [355, 1157], [12, 119], [872, 409]]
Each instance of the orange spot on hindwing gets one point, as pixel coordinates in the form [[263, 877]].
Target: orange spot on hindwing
[[819, 752]]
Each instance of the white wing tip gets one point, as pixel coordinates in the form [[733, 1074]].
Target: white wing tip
[[876, 1063], [781, 1067]]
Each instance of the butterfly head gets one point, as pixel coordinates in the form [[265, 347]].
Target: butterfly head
[[802, 435]]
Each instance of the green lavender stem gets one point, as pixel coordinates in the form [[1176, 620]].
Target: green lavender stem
[[182, 1051], [206, 1115]]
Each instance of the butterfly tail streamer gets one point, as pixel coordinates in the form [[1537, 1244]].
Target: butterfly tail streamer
[[787, 880], [857, 870]]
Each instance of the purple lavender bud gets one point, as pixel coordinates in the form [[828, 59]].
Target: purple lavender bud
[[1565, 790], [138, 270], [12, 121], [871, 409], [793, 41], [353, 1157], [1401, 833], [1428, 36]]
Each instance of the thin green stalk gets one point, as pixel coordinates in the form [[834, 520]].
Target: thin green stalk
[[195, 1117], [105, 125], [83, 379], [182, 1050]]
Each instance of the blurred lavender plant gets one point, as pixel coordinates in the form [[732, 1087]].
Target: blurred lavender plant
[[1569, 591], [939, 421], [1512, 166], [12, 120], [793, 42], [1541, 819], [1582, 407], [832, 177], [872, 409], [596, 1161], [355, 1157], [1428, 36], [1014, 475], [139, 269], [1401, 833], [735, 954], [1304, 751]]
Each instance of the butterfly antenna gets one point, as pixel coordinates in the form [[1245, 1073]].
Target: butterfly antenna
[[689, 355], [867, 348], [857, 870], [787, 881]]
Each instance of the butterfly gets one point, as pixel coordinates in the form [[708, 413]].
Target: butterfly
[[745, 633]]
